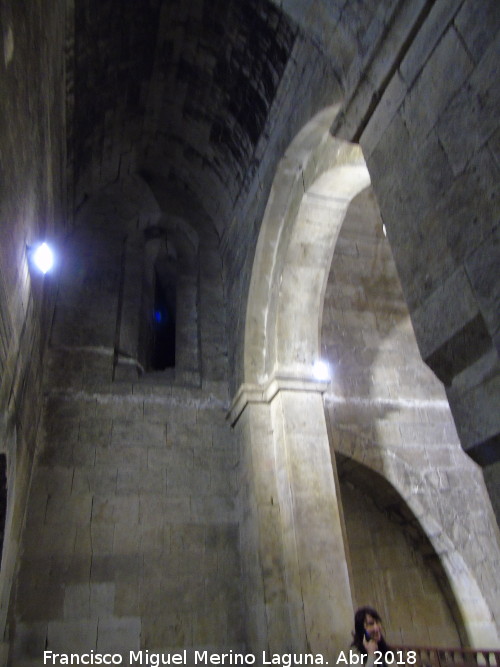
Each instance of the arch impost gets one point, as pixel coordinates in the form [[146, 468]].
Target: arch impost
[[265, 393]]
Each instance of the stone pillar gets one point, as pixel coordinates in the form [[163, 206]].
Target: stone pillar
[[293, 553]]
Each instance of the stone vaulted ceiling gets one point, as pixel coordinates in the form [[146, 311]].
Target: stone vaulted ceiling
[[180, 90]]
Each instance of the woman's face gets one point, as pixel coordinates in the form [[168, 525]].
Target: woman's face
[[373, 628]]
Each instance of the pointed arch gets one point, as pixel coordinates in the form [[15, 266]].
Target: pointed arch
[[314, 184]]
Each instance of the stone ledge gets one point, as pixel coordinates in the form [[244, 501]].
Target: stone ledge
[[265, 393]]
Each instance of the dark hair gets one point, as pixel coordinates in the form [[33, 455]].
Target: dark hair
[[359, 630]]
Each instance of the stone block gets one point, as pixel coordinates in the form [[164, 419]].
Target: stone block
[[58, 453], [478, 25], [102, 599], [72, 636], [210, 628], [224, 482], [77, 601], [50, 540], [131, 433], [434, 161], [494, 146], [213, 508], [30, 641], [83, 540], [168, 630], [228, 562], [156, 511], [185, 481], [154, 538], [380, 163], [75, 510], [95, 431], [153, 599], [168, 457], [381, 118], [40, 603], [442, 77], [127, 599], [83, 454], [117, 509], [61, 569], [116, 568], [125, 409], [440, 16], [477, 102], [102, 537], [99, 479], [118, 635], [188, 537], [482, 267], [442, 317], [114, 456], [477, 422], [126, 541], [185, 592], [53, 480], [185, 432], [141, 480]]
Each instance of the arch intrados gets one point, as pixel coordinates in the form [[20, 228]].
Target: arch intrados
[[293, 256]]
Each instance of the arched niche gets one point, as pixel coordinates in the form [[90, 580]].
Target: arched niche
[[394, 566], [122, 249]]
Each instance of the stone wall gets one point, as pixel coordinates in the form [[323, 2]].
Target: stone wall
[[387, 410], [428, 125], [32, 153], [132, 531]]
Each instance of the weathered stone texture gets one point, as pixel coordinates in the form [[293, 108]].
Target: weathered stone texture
[[388, 412], [152, 516], [32, 151], [158, 132], [388, 571], [442, 129]]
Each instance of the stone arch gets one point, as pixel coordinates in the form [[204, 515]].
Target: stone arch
[[293, 257], [397, 561], [472, 614], [316, 180], [386, 409]]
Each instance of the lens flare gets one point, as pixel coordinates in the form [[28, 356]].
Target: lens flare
[[43, 258]]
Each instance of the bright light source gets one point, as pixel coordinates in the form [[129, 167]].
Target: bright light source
[[384, 230], [321, 370], [43, 257]]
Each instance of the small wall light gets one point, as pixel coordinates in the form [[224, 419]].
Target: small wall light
[[41, 256], [321, 370]]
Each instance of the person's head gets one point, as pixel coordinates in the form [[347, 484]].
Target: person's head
[[367, 619]]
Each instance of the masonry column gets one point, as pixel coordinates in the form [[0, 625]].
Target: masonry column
[[292, 544]]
